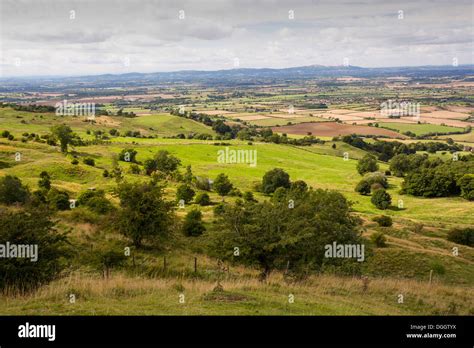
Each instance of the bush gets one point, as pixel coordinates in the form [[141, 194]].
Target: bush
[[58, 200], [185, 193], [383, 220], [274, 179], [464, 236], [89, 161], [74, 161], [12, 190], [31, 228], [381, 199], [192, 225], [219, 209], [378, 238], [203, 199]]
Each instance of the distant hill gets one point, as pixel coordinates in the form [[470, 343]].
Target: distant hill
[[241, 76]]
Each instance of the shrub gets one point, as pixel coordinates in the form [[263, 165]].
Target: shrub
[[74, 161], [89, 161], [383, 220], [203, 199], [12, 190], [193, 225], [378, 238], [381, 199], [464, 236]]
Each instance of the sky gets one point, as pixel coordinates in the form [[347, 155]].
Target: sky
[[86, 37]]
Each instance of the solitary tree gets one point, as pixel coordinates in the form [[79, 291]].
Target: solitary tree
[[64, 134], [144, 213]]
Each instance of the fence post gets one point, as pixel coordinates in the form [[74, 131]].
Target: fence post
[[431, 275], [195, 264]]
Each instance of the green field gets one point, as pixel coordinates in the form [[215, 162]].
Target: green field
[[419, 129]]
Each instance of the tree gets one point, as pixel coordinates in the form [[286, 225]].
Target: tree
[[185, 193], [64, 134], [193, 225], [33, 228], [381, 199], [222, 185], [144, 213], [12, 190], [271, 236], [367, 164], [44, 181], [274, 179]]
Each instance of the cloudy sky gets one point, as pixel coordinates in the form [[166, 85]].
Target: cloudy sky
[[65, 37]]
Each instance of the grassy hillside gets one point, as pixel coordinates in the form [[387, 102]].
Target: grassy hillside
[[416, 244]]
